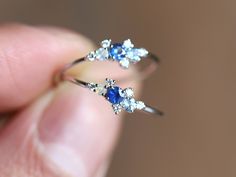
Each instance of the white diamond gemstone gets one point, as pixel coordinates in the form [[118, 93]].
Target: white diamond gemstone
[[121, 93], [141, 52], [91, 56], [106, 43], [92, 86], [101, 90], [102, 54], [128, 44], [110, 82], [128, 92], [98, 88], [133, 56], [116, 108], [124, 63], [129, 104], [140, 105]]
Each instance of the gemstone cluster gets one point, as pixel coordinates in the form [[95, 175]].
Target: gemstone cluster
[[124, 53], [121, 99]]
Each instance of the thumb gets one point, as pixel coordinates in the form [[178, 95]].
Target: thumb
[[65, 133]]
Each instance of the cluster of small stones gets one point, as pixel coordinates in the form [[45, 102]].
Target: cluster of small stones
[[125, 53], [121, 99]]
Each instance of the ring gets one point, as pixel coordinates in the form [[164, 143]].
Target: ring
[[125, 54]]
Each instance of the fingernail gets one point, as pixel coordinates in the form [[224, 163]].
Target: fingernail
[[71, 132]]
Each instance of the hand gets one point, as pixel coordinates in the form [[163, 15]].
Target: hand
[[63, 131]]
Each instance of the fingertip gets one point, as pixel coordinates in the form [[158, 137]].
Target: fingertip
[[29, 58]]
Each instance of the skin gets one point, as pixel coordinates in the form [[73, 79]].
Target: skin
[[50, 131]]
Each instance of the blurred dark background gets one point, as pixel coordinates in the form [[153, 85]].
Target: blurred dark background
[[195, 85]]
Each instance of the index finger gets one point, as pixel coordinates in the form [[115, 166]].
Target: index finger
[[29, 57]]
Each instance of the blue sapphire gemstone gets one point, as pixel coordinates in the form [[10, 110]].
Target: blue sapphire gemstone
[[113, 95], [117, 51]]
